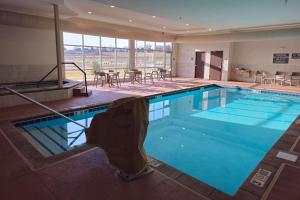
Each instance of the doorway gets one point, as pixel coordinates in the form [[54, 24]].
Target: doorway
[[199, 64], [216, 62]]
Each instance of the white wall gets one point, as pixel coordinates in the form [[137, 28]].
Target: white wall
[[258, 55], [27, 42], [186, 58], [26, 54]]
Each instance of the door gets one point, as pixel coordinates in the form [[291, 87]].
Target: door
[[216, 61], [199, 64]]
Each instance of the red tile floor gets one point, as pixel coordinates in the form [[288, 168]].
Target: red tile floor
[[89, 175], [286, 185], [85, 176]]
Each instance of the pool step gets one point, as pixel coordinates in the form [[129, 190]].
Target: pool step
[[54, 139], [80, 91]]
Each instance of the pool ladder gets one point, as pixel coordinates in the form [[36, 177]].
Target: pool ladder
[[43, 106]]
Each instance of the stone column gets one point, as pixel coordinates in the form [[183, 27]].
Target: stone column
[[58, 46], [132, 54]]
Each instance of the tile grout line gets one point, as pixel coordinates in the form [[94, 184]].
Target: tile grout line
[[66, 159], [182, 185], [17, 150]]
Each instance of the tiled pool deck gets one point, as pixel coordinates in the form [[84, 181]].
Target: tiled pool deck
[[88, 175]]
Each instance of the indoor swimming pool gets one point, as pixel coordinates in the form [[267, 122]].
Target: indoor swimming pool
[[217, 135]]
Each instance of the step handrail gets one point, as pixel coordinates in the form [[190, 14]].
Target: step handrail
[[42, 106], [84, 73], [38, 83], [66, 63]]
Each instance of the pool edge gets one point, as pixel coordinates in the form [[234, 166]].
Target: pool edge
[[246, 189]]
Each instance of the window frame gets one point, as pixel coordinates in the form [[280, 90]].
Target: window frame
[[99, 46], [165, 51], [167, 64]]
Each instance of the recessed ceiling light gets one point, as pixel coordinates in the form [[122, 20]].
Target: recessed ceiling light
[[130, 20], [112, 6], [187, 31], [154, 16], [164, 27], [209, 29], [90, 12], [187, 24]]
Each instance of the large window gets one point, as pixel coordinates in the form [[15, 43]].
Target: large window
[[122, 53], [108, 51], [159, 55], [140, 54], [168, 55], [150, 46], [149, 55], [94, 53], [91, 53], [73, 48], [97, 53]]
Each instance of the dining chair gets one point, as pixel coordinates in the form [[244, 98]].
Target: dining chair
[[114, 77], [148, 75], [102, 76], [138, 76], [127, 74]]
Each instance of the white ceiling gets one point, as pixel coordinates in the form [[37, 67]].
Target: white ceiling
[[36, 7], [203, 16]]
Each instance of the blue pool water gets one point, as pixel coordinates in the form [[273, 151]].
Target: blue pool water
[[217, 135]]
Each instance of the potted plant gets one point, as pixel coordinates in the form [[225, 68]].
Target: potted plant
[[96, 66]]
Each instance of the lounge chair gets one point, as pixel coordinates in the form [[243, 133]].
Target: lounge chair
[[293, 77], [260, 75], [279, 77]]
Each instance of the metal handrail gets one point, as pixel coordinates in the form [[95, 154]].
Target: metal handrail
[[38, 83], [66, 63], [43, 106], [84, 73]]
